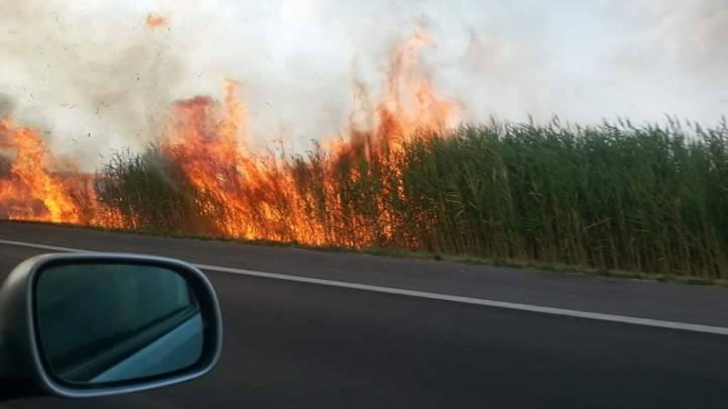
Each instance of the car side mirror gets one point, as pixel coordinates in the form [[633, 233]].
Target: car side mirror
[[93, 324]]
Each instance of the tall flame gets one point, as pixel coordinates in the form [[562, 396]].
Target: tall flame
[[258, 196], [31, 192], [410, 103]]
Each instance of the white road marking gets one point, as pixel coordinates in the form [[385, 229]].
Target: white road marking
[[40, 246], [431, 296]]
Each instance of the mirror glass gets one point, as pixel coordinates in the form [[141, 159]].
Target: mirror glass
[[102, 323]]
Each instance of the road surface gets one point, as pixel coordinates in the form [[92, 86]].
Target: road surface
[[308, 329]]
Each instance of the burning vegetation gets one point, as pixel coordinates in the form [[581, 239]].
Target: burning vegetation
[[610, 197]]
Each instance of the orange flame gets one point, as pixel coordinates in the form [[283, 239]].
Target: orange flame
[[261, 196], [411, 104], [33, 193]]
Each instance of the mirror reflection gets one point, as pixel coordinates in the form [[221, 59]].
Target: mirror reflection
[[103, 323]]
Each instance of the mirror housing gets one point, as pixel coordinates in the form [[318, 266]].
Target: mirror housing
[[21, 354]]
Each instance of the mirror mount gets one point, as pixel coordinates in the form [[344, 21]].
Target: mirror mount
[[16, 376], [14, 385]]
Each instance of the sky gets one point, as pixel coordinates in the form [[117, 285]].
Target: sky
[[95, 79]]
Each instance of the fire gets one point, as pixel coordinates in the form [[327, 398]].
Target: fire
[[156, 21], [316, 200], [32, 192], [411, 103]]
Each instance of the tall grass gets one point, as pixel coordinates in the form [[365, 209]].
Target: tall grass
[[615, 196], [150, 192]]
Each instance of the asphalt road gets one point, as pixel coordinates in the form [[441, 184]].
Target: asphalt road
[[300, 345]]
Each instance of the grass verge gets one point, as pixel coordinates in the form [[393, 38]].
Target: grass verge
[[566, 269]]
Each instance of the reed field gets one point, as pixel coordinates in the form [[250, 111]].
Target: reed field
[[613, 196]]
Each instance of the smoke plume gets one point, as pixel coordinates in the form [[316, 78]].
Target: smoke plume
[[99, 76]]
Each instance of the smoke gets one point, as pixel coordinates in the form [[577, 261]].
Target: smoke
[[7, 106], [90, 78], [96, 78], [588, 61], [673, 59]]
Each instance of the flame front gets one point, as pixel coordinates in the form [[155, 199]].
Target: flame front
[[31, 192], [261, 196]]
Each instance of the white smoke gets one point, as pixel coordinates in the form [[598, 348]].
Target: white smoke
[[93, 77], [90, 77]]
